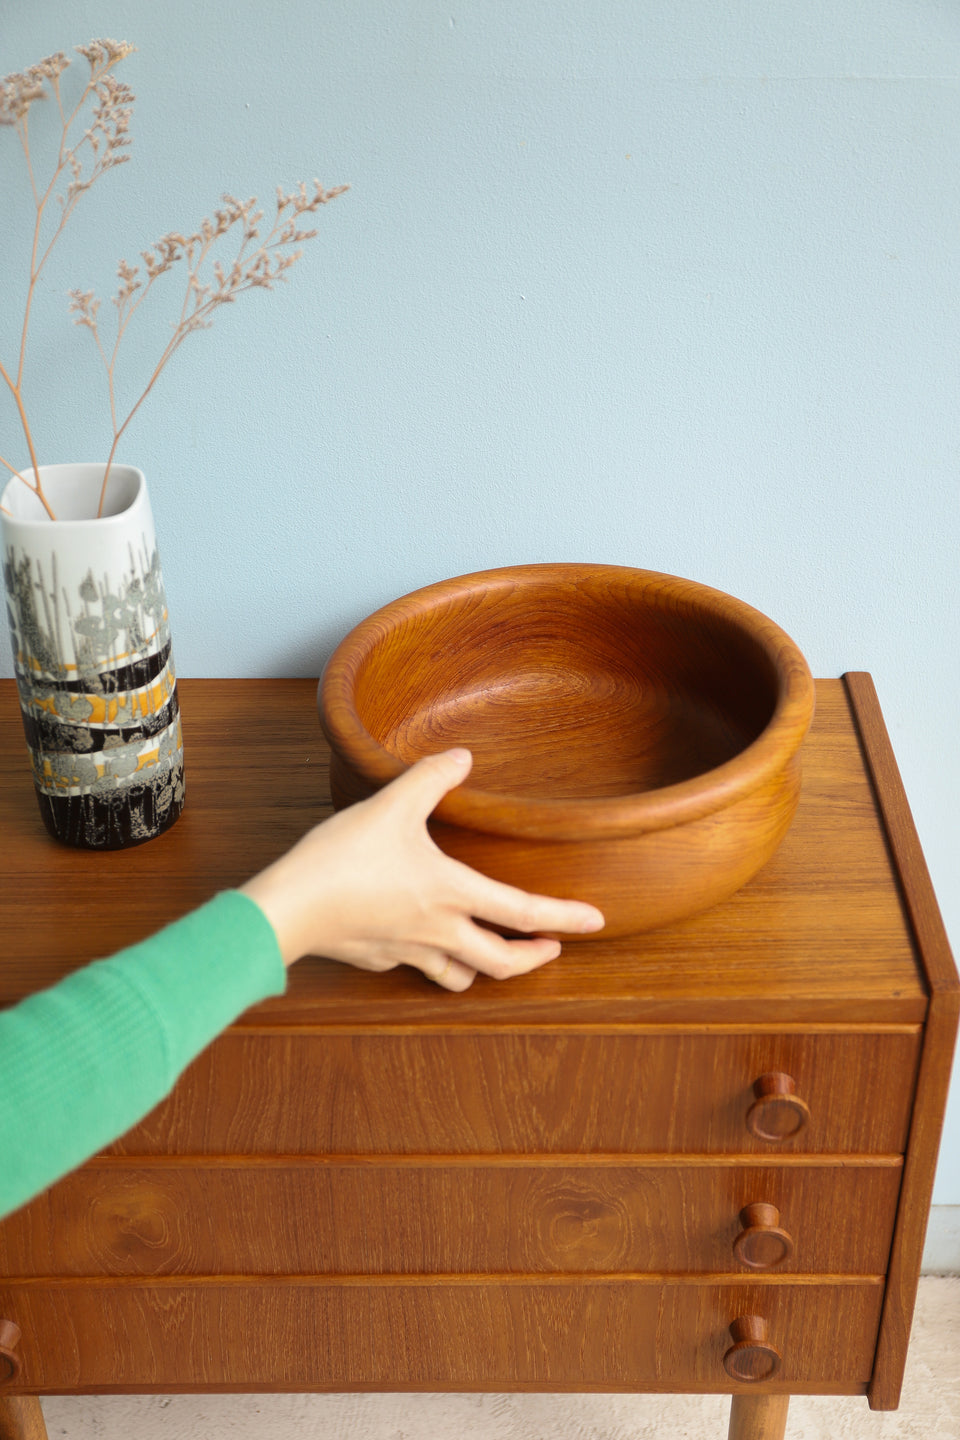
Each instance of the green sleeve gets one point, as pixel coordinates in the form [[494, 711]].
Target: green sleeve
[[82, 1062]]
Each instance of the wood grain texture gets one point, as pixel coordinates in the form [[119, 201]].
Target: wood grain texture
[[10, 1358], [379, 1104], [21, 1418], [753, 1356], [464, 1334], [338, 1217], [634, 735], [521, 1091], [939, 1041], [758, 1417], [764, 1243], [819, 934]]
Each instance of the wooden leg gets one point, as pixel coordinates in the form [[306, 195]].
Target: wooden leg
[[21, 1418], [758, 1417]]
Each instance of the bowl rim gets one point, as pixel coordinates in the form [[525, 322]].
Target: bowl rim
[[605, 817]]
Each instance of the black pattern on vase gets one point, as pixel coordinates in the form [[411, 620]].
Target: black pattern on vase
[[98, 698]]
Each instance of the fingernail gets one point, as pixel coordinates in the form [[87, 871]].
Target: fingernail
[[594, 921], [461, 756]]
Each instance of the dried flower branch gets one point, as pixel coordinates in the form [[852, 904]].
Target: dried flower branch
[[250, 269], [97, 150], [259, 262]]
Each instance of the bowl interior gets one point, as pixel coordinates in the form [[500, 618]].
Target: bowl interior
[[569, 691]]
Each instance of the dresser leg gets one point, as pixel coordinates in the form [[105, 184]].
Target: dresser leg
[[21, 1418], [758, 1417]]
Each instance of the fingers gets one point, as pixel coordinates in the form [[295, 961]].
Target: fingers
[[424, 785], [501, 959], [370, 888], [487, 953], [452, 974], [514, 909]]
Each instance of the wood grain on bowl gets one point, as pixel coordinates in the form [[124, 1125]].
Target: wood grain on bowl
[[635, 736]]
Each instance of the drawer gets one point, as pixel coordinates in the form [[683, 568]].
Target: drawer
[[421, 1091], [389, 1217], [495, 1334]]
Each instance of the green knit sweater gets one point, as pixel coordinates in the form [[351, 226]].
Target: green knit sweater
[[83, 1061]]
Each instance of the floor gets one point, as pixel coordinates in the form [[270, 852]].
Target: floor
[[929, 1409]]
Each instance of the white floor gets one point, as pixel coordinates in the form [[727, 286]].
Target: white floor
[[929, 1409]]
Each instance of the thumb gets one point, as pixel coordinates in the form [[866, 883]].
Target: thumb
[[424, 785]]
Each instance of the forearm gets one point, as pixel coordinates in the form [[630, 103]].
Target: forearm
[[82, 1062]]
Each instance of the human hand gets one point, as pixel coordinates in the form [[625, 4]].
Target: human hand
[[370, 887]]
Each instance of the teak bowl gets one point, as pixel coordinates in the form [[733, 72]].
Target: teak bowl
[[635, 736]]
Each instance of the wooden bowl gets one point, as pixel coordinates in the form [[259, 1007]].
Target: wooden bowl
[[635, 736]]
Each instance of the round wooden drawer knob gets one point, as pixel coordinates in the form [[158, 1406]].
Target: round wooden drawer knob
[[10, 1362], [778, 1112], [762, 1243], [751, 1357]]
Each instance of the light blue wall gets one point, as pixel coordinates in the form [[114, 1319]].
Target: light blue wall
[[671, 285]]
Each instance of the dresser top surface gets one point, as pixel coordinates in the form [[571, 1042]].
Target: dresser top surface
[[819, 936]]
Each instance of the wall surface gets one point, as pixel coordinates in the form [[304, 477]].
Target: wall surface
[[674, 286]]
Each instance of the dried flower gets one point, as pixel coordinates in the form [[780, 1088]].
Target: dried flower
[[259, 262], [18, 91], [102, 52]]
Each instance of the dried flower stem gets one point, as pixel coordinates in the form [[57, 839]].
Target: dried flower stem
[[251, 268], [258, 263], [99, 147]]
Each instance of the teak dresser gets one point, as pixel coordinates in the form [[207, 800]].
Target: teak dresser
[[696, 1160]]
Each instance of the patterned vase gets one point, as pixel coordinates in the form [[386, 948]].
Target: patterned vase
[[91, 645]]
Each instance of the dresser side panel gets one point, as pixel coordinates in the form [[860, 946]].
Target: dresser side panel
[[943, 985]]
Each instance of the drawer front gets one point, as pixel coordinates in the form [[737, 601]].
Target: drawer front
[[381, 1218], [462, 1092], [491, 1335]]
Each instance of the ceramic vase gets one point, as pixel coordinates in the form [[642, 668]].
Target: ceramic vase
[[91, 645]]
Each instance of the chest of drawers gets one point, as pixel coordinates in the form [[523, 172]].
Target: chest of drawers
[[699, 1159]]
